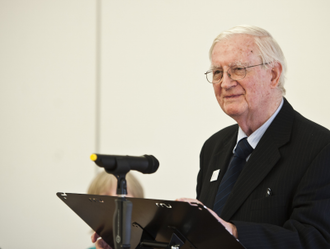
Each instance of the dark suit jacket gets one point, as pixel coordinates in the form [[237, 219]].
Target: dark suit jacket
[[292, 164]]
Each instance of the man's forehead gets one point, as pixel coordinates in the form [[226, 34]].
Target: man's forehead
[[242, 40], [238, 49]]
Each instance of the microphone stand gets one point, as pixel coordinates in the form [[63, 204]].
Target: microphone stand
[[122, 215]]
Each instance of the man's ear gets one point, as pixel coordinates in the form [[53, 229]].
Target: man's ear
[[276, 72]]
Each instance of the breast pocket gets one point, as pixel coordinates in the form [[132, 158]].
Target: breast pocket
[[270, 202]]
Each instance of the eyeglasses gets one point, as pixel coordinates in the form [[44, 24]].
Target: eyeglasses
[[215, 76]]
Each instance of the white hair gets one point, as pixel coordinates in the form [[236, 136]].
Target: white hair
[[270, 51]]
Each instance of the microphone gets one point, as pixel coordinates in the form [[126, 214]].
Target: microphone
[[116, 164]]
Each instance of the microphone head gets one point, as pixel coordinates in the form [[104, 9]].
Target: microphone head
[[105, 161], [153, 164]]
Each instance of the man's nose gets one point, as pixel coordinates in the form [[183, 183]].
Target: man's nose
[[227, 82]]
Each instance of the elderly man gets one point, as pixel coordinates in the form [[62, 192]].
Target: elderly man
[[266, 178], [278, 194]]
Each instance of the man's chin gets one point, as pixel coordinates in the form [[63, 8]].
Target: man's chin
[[232, 110]]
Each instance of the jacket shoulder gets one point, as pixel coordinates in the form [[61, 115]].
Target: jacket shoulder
[[221, 137], [309, 130]]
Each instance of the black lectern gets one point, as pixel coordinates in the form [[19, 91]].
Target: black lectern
[[155, 223]]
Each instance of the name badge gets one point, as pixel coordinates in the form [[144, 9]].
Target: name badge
[[215, 175]]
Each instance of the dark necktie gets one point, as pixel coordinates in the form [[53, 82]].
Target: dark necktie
[[235, 167]]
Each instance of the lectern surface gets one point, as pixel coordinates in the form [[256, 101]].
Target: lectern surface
[[156, 218]]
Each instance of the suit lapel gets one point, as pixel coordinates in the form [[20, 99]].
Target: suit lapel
[[262, 160], [221, 161]]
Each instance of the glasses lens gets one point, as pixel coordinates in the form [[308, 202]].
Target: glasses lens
[[237, 73], [217, 75], [208, 75], [214, 76]]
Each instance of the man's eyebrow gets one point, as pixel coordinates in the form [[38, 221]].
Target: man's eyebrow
[[215, 67], [239, 63], [236, 63]]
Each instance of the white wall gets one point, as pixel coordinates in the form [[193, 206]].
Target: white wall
[[154, 98], [47, 95]]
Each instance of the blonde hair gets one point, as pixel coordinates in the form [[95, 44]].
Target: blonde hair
[[103, 182], [270, 51]]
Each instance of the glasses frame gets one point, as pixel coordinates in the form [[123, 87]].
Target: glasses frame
[[211, 70]]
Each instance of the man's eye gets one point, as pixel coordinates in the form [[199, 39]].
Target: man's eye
[[238, 68], [239, 71], [217, 72]]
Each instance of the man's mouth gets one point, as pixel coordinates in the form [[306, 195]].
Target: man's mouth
[[232, 96]]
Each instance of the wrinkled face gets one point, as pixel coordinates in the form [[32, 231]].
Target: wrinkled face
[[245, 98]]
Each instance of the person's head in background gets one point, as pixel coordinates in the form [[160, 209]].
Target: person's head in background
[[106, 184]]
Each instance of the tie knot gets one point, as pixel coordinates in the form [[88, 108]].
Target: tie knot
[[243, 149]]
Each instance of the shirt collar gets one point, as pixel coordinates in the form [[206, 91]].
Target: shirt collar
[[255, 137]]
